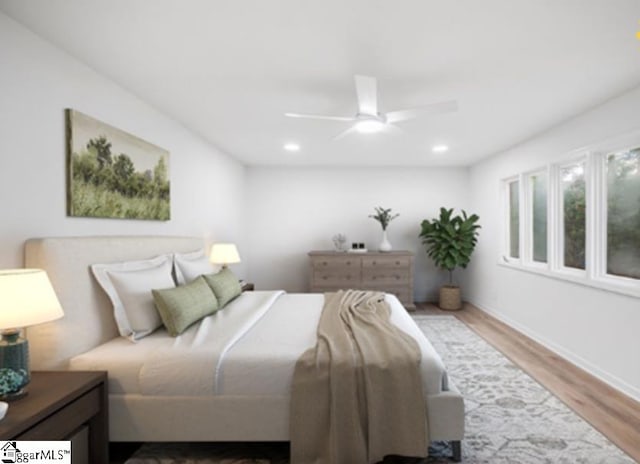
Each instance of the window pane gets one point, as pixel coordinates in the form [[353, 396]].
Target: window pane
[[539, 223], [514, 220], [574, 202], [623, 214]]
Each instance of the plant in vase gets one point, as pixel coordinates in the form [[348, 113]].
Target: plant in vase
[[384, 217], [450, 241]]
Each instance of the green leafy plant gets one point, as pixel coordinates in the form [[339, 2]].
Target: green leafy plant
[[450, 240], [383, 216]]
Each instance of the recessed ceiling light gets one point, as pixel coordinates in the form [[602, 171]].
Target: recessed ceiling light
[[439, 148], [291, 146]]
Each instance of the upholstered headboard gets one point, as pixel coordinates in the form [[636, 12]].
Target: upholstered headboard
[[88, 316]]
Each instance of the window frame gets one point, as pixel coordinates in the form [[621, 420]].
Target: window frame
[[600, 273], [506, 214], [560, 267], [529, 219]]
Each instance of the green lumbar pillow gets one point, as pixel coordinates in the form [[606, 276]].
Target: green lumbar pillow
[[225, 285], [182, 306]]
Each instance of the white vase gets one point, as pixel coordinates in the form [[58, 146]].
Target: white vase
[[385, 245]]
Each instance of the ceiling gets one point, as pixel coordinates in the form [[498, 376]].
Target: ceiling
[[229, 70]]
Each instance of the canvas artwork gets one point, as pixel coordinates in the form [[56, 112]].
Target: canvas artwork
[[113, 174]]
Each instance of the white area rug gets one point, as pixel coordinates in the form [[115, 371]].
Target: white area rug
[[510, 417]]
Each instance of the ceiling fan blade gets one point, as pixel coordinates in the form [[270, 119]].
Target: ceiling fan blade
[[367, 91], [319, 116], [344, 133], [393, 130], [435, 108]]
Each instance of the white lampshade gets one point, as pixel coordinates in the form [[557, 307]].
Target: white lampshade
[[224, 253], [26, 298]]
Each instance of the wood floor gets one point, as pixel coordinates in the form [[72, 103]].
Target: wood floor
[[615, 415]]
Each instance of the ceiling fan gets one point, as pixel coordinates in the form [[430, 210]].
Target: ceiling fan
[[368, 119]]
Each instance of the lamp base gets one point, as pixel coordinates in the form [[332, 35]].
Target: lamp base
[[13, 396], [14, 365]]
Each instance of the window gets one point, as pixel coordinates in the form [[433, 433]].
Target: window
[[623, 213], [574, 215], [579, 220], [514, 219], [538, 184]]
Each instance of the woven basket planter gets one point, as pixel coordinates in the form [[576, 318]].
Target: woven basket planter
[[450, 298]]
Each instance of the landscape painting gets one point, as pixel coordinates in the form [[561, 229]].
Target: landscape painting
[[113, 174]]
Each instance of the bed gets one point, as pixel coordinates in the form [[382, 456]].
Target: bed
[[249, 400]]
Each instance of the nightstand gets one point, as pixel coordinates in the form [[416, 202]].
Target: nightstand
[[247, 286], [63, 405]]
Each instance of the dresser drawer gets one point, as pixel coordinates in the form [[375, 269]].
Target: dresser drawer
[[336, 277], [335, 262], [386, 262], [62, 423], [330, 289], [388, 276]]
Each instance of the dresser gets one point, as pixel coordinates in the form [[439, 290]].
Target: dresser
[[390, 272]]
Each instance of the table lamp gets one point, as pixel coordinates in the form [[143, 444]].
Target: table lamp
[[26, 298], [224, 253]]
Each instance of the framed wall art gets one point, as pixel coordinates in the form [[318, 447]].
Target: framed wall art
[[113, 174]]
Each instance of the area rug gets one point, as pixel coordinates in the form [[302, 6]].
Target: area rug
[[510, 418]]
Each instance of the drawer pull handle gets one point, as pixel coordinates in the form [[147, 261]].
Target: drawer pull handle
[[348, 263], [324, 277], [324, 263], [397, 263], [374, 263]]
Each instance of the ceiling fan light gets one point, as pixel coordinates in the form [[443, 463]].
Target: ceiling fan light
[[369, 126]]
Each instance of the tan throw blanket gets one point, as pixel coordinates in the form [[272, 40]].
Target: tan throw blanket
[[357, 395]]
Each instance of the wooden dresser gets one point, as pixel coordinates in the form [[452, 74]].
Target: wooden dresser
[[390, 272]]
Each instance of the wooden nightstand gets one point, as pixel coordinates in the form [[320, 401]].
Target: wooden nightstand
[[66, 405], [247, 286]]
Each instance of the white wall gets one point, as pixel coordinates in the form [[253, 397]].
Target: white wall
[[37, 82], [295, 210], [596, 329]]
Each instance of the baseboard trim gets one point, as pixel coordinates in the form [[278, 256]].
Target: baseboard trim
[[611, 380]]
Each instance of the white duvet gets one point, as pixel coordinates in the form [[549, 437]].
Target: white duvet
[[247, 349]]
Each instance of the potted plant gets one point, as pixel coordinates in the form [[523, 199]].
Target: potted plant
[[384, 217], [450, 241]]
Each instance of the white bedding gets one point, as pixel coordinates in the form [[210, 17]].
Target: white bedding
[[247, 349]]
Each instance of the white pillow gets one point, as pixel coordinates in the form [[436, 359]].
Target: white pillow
[[190, 266], [129, 286]]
